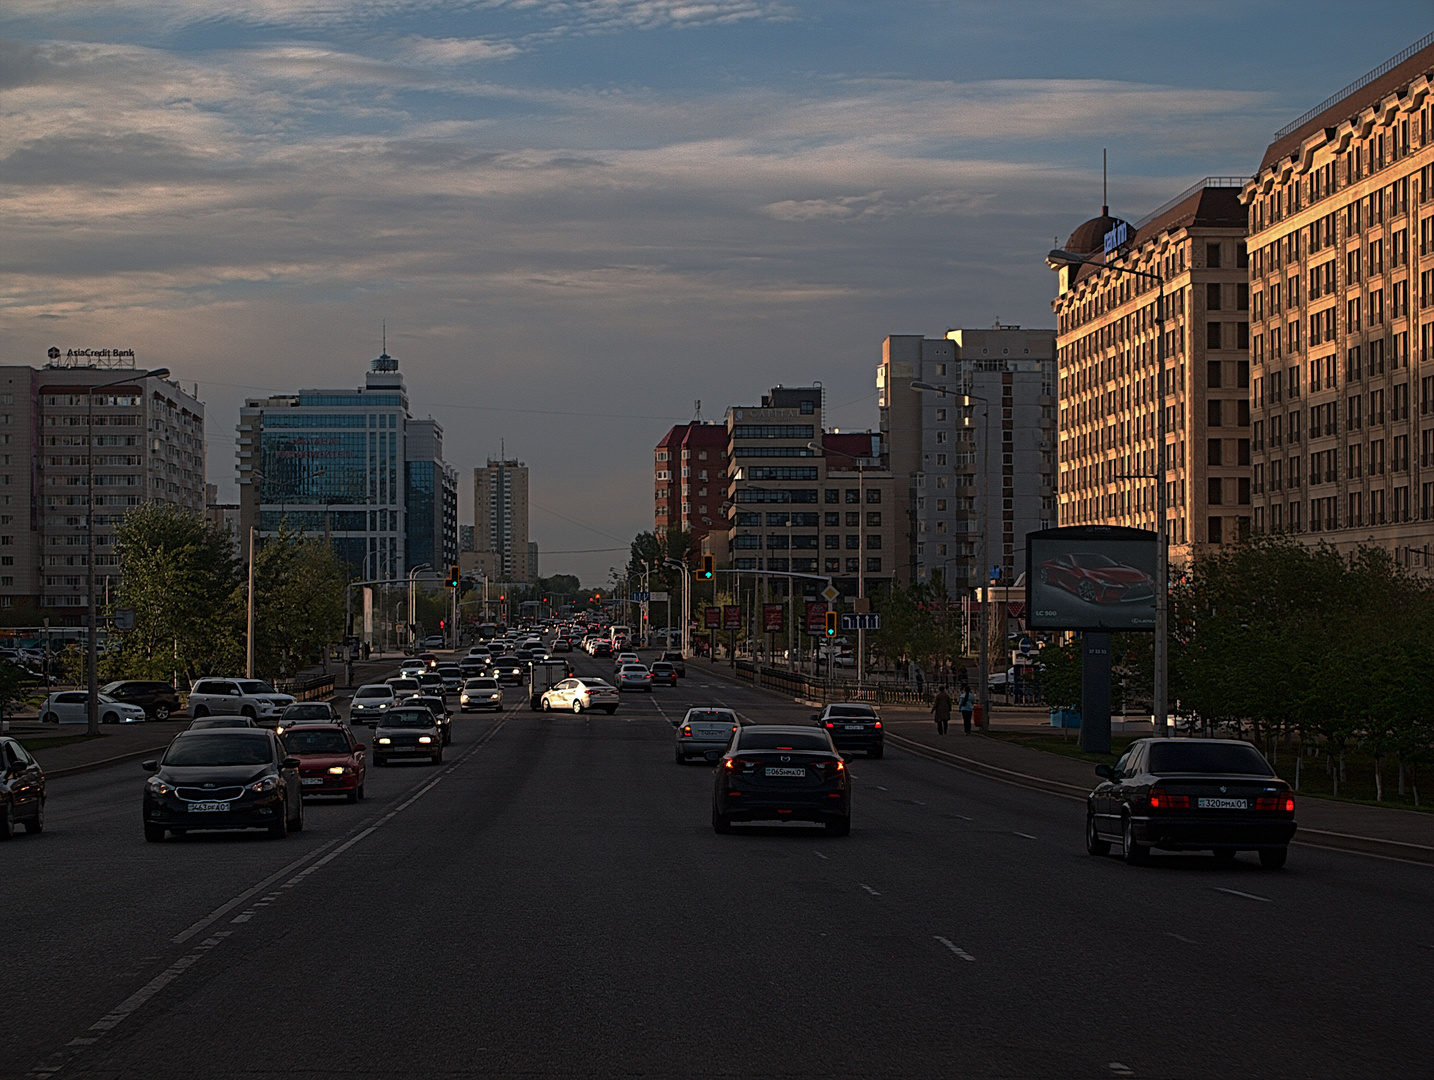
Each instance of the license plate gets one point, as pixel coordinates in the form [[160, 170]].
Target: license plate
[[777, 771], [855, 727], [1223, 804], [311, 779], [209, 807]]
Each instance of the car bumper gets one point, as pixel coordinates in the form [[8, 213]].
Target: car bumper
[[1194, 834], [754, 805], [490, 703], [329, 784], [856, 740], [249, 813], [710, 750]]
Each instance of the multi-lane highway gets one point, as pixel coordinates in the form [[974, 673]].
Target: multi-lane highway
[[552, 901]]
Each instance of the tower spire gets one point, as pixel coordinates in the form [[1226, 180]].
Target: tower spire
[[1104, 200]]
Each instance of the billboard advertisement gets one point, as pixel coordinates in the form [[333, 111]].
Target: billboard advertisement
[[816, 618], [713, 618], [1090, 577], [731, 617], [772, 618]]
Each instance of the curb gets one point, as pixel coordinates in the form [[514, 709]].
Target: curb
[[103, 763]]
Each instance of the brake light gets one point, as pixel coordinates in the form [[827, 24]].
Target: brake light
[[840, 765], [878, 725], [729, 765], [1276, 803], [1160, 799], [687, 730], [830, 724]]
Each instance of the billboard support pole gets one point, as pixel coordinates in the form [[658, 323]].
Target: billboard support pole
[[1095, 693]]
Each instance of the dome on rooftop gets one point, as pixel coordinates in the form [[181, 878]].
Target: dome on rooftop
[[1090, 236]]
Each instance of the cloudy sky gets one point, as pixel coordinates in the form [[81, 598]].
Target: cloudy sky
[[581, 216]]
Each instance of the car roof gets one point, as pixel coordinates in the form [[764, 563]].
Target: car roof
[[785, 729], [714, 710], [314, 725]]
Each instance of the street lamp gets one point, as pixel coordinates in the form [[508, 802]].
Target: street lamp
[[1056, 260], [92, 657], [982, 548]]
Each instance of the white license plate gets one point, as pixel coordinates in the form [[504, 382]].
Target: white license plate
[[777, 771], [209, 807], [311, 779], [855, 727], [1223, 804]]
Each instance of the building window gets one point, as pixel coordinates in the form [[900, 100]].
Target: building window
[[853, 495], [831, 495], [833, 520], [873, 495], [1216, 527], [1212, 335], [873, 565], [832, 566], [832, 542], [853, 542], [853, 566]]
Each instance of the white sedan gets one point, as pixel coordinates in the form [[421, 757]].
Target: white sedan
[[72, 707], [577, 695]]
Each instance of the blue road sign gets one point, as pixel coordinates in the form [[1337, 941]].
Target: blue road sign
[[852, 621]]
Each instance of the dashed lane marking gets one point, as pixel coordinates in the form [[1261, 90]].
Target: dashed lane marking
[[869, 889], [1027, 835], [1246, 895], [963, 817], [1177, 937], [819, 855], [962, 953], [1121, 1070]]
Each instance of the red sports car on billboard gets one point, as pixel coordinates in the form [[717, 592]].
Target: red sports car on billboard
[[1097, 579]]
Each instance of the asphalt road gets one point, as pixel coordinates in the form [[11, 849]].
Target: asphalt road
[[552, 901]]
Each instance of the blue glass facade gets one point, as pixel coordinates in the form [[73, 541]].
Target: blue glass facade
[[420, 513]]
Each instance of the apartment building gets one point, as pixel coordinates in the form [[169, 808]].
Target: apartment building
[[500, 521], [689, 473], [1107, 349], [939, 450], [1341, 224]]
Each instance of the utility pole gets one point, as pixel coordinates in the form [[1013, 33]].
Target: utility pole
[[249, 640]]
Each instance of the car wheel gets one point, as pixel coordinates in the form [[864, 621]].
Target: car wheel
[[1273, 858], [7, 822], [280, 828], [438, 758], [37, 823], [154, 834], [1135, 855], [49, 718], [199, 712], [876, 751], [546, 706], [161, 712], [839, 827], [249, 712], [1086, 591], [721, 823], [681, 758], [577, 707], [297, 825], [353, 796], [109, 718], [1224, 856], [1094, 845]]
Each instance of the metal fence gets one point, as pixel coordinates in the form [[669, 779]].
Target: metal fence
[[824, 691], [308, 687]]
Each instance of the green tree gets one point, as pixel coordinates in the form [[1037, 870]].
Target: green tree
[[299, 592]]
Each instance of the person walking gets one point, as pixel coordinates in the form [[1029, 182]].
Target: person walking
[[941, 710], [967, 707]]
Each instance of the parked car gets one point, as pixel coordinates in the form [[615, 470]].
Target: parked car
[[331, 760], [1218, 795], [223, 778], [407, 731], [72, 707], [236, 697], [853, 726], [435, 641], [157, 699], [371, 702], [578, 695], [784, 774], [705, 733], [480, 693], [22, 790], [674, 657]]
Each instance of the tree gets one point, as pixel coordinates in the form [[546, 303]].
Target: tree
[[299, 591]]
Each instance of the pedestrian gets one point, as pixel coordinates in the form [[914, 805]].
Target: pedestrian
[[941, 710], [365, 651], [967, 707], [920, 681]]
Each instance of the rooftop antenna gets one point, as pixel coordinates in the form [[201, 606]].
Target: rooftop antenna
[[697, 409], [385, 337], [1104, 201]]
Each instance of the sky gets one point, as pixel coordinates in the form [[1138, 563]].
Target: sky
[[579, 218]]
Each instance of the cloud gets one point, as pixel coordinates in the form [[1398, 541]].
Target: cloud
[[458, 50]]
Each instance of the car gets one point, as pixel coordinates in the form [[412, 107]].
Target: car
[[779, 773], [236, 697], [664, 673], [429, 659], [634, 677], [674, 657], [72, 707], [602, 648], [331, 760], [157, 699], [480, 693], [411, 667], [562, 644], [1096, 578], [624, 658], [405, 686], [435, 641], [407, 731], [223, 778], [370, 702], [307, 712], [430, 682], [452, 676], [523, 654], [1218, 795], [439, 708], [853, 726], [472, 666], [22, 790], [478, 650], [506, 669], [704, 733], [221, 722], [579, 694]]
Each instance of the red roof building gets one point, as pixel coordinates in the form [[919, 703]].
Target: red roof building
[[689, 472]]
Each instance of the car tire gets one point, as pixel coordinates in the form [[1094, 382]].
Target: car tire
[[360, 793], [721, 823], [161, 712], [1274, 858], [577, 707], [380, 762], [352, 796], [438, 758], [876, 752], [1135, 855], [681, 758], [200, 712], [1094, 845], [49, 718], [109, 718], [37, 823], [297, 825], [7, 822], [153, 834], [1086, 591], [280, 828], [839, 827], [248, 711]]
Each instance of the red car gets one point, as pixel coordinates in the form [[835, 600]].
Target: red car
[[330, 761], [1097, 579]]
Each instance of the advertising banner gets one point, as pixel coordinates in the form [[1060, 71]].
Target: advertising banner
[[772, 618], [713, 618], [731, 617], [816, 618], [1090, 577], [368, 614]]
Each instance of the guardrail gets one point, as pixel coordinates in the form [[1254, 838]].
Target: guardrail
[[824, 691], [309, 688]]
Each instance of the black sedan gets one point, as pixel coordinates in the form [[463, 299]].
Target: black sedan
[[853, 726], [223, 778], [439, 708], [305, 712], [407, 731], [772, 773], [22, 790], [507, 669], [1215, 795]]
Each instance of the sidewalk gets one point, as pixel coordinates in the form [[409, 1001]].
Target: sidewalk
[[1401, 834]]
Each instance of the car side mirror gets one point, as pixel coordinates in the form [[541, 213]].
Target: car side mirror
[[289, 763], [149, 766], [1105, 771]]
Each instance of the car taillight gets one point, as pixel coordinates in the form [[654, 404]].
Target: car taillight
[[878, 725], [1160, 799], [730, 765], [1276, 802], [687, 730], [830, 724]]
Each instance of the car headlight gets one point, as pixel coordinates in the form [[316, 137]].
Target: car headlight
[[383, 704], [338, 770], [424, 739], [463, 698], [269, 783], [155, 786], [384, 742]]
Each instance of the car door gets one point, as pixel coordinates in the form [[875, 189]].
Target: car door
[[24, 779], [1129, 785], [1107, 809], [72, 707]]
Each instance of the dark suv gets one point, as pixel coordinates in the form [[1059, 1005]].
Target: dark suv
[[157, 699], [678, 663], [853, 726]]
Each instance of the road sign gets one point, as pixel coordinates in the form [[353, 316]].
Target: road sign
[[640, 597], [124, 618], [1026, 646], [830, 594], [855, 621], [731, 617], [654, 597]]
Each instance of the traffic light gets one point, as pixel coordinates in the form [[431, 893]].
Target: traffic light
[[705, 574], [443, 624], [831, 623], [455, 576]]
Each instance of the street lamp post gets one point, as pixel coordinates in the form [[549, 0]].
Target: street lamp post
[[1056, 260], [92, 661]]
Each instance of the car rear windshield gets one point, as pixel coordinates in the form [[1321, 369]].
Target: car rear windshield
[[778, 740], [408, 718], [715, 716], [316, 742], [374, 691], [1198, 757], [219, 749], [851, 710], [597, 682], [306, 712]]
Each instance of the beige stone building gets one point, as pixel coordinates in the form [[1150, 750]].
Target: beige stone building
[[1341, 223], [1107, 353], [500, 519]]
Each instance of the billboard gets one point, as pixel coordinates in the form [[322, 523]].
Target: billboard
[[772, 618], [1090, 577], [713, 618], [816, 618], [731, 617]]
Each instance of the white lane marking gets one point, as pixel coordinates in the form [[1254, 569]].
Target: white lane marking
[[118, 1014], [1246, 895], [880, 788], [1121, 1070], [962, 953], [869, 889], [1177, 937], [963, 817], [819, 855], [225, 908], [1027, 835]]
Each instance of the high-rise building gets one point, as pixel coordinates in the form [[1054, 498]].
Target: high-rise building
[[1341, 220], [939, 450], [1107, 350], [689, 471], [500, 518], [148, 443], [354, 466]]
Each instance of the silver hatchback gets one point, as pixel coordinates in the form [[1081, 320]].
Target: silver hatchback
[[705, 733]]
